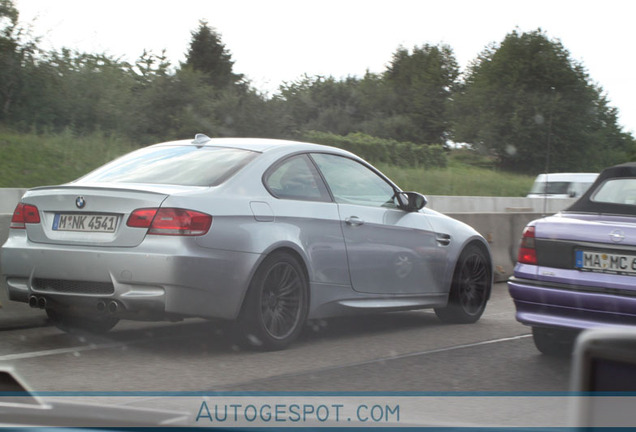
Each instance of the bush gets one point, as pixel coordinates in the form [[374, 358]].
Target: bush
[[380, 150]]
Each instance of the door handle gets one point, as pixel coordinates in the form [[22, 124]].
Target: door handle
[[354, 221], [443, 239]]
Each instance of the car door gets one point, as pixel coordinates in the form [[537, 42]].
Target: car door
[[389, 250], [306, 215]]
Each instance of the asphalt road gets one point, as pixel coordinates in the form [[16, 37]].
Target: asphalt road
[[394, 352], [405, 351]]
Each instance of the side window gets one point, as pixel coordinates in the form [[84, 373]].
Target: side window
[[296, 178], [354, 183]]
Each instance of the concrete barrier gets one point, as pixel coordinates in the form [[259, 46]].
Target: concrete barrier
[[503, 232], [481, 204], [499, 219], [14, 314], [9, 198], [5, 219]]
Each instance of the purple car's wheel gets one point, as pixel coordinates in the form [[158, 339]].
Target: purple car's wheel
[[277, 303], [554, 342], [72, 322], [470, 288]]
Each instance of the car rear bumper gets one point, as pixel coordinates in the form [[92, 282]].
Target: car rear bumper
[[181, 280], [550, 304]]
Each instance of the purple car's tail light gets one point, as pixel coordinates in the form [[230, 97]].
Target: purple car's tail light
[[527, 252]]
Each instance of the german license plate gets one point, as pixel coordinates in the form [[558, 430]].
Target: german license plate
[[84, 222], [603, 262]]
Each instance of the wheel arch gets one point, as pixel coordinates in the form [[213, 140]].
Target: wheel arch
[[261, 324], [483, 245], [290, 249], [480, 243]]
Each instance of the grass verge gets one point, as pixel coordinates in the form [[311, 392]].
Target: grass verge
[[28, 160]]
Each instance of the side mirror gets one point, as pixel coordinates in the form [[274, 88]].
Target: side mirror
[[410, 201]]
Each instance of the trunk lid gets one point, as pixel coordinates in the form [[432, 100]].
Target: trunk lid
[[593, 242], [91, 215], [589, 228]]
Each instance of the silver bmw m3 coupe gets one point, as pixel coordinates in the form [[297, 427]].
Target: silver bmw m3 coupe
[[266, 233]]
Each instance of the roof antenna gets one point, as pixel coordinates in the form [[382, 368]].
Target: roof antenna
[[200, 139]]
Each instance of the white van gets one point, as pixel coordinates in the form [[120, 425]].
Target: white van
[[561, 185]]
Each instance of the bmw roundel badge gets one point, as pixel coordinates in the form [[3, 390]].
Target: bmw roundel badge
[[80, 202]]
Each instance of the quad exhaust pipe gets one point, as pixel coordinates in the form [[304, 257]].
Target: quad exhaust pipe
[[103, 306], [37, 302], [111, 306]]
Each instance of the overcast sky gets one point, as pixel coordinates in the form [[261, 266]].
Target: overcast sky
[[276, 41]]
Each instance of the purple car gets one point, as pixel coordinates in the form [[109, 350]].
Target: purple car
[[577, 269]]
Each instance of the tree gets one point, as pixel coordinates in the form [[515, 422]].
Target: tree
[[529, 104], [66, 89], [208, 55], [422, 82], [14, 53], [150, 66], [321, 104], [8, 17]]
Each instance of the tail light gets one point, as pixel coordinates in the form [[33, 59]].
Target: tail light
[[170, 221], [24, 214], [527, 251]]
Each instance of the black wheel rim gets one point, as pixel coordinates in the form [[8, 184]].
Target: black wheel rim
[[281, 300], [473, 281]]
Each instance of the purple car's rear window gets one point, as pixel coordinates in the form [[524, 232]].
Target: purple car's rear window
[[174, 165], [616, 191], [613, 192]]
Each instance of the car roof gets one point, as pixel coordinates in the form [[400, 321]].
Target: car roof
[[567, 177], [260, 145], [623, 170], [585, 203]]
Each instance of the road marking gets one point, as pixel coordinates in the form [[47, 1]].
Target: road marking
[[383, 359], [433, 351], [451, 348], [70, 350], [77, 349]]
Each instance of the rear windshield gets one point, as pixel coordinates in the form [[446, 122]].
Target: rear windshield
[[174, 165], [616, 191]]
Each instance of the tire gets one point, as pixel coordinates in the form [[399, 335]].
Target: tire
[[470, 288], [276, 306], [554, 342], [71, 323]]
